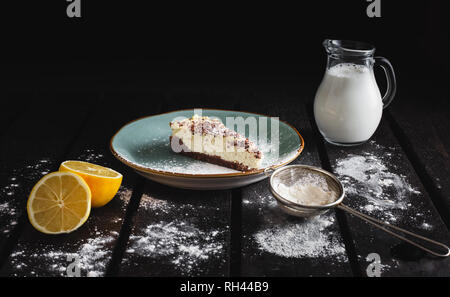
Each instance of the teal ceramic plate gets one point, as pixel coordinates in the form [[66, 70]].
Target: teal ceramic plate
[[144, 146]]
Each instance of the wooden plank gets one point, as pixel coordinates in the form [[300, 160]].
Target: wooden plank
[[274, 243], [381, 182], [179, 233], [94, 243], [423, 130]]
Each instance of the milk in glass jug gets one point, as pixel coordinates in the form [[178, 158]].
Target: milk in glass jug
[[348, 104]]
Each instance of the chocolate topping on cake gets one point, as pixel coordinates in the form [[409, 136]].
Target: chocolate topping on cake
[[205, 125]]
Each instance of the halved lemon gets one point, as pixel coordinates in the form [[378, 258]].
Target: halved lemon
[[104, 182], [60, 202]]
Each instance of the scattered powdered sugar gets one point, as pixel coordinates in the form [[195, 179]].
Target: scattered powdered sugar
[[91, 258], [157, 205], [93, 255], [261, 201], [15, 190], [92, 156], [426, 226], [37, 169], [184, 244], [124, 194], [147, 202], [5, 208], [178, 239], [367, 176], [314, 237], [311, 238]]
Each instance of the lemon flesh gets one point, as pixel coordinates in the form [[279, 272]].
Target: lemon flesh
[[60, 202]]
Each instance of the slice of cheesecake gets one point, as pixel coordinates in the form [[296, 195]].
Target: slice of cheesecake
[[209, 140]]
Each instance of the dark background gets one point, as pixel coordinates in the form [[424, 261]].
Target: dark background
[[268, 44]]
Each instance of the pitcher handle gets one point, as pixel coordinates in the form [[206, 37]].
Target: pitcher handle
[[390, 79]]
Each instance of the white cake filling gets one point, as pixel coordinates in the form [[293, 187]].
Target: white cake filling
[[214, 145]]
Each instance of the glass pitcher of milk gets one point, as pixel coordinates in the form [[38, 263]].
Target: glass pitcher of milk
[[348, 104]]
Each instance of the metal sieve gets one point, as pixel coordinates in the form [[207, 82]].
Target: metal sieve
[[288, 175]]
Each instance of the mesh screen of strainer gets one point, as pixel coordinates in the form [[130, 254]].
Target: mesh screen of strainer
[[306, 186]]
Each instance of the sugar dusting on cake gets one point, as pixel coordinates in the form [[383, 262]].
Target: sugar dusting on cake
[[193, 167], [176, 163], [179, 164]]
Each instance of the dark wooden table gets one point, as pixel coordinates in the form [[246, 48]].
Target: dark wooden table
[[154, 230]]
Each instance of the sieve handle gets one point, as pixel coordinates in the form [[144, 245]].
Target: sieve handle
[[384, 226]]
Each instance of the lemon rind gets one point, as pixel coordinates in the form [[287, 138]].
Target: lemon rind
[[119, 175]]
